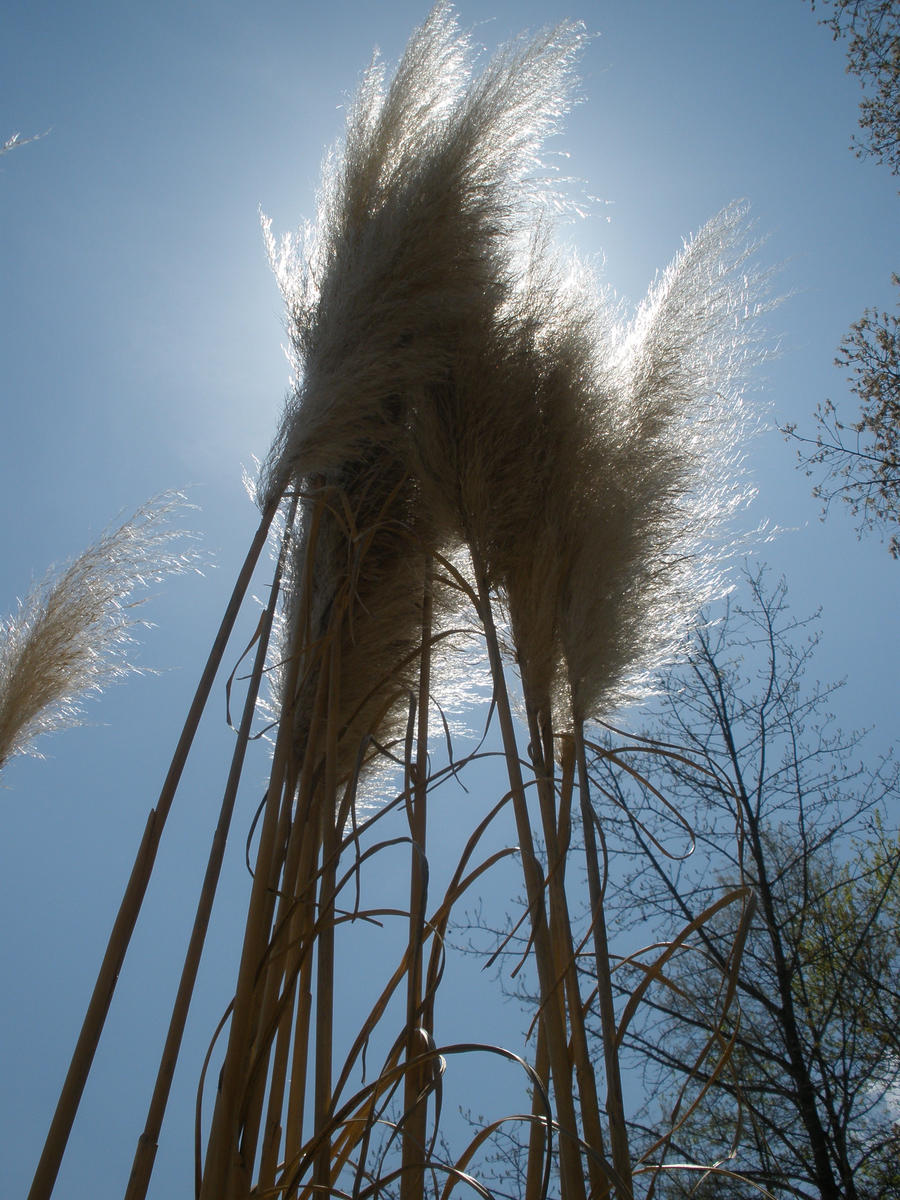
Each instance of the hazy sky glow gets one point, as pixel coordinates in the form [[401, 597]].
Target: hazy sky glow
[[140, 344]]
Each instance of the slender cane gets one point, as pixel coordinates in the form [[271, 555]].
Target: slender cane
[[130, 907]]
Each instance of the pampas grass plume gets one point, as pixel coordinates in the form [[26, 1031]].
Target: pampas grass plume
[[598, 462], [72, 633], [418, 217], [661, 471]]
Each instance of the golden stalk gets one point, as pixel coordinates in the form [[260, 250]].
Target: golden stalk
[[615, 1107], [329, 840], [571, 1171], [412, 1180], [127, 915], [147, 1144], [537, 1136], [566, 962], [222, 1149]]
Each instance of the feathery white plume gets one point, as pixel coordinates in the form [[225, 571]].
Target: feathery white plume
[[662, 467], [410, 251], [72, 633]]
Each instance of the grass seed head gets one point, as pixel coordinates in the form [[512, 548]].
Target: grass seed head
[[660, 472], [419, 212], [72, 634]]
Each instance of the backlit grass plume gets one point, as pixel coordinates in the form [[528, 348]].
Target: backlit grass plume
[[410, 252], [72, 633], [591, 462], [391, 298], [658, 476]]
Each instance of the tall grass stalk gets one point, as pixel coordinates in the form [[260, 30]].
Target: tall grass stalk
[[615, 1105], [411, 1184], [148, 1142], [552, 1010], [135, 889], [556, 830]]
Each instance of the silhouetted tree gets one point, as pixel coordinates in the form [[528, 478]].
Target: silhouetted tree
[[859, 461], [872, 30], [781, 805]]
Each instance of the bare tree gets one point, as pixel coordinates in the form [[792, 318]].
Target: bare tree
[[872, 30], [859, 461], [803, 1104]]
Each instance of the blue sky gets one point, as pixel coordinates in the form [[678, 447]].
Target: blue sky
[[140, 343]]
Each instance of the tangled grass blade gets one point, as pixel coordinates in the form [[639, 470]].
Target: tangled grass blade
[[72, 633]]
